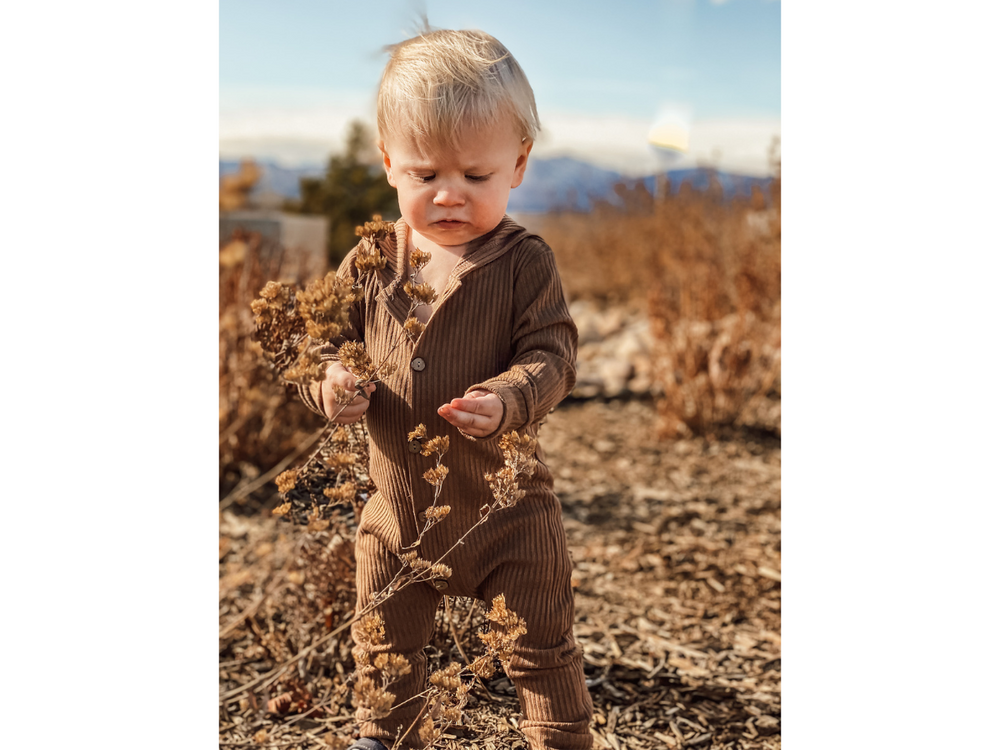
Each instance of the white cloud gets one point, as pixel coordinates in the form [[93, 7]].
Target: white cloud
[[296, 135], [620, 143], [293, 128]]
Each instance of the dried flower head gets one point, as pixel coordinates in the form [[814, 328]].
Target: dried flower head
[[281, 509], [418, 433], [308, 368], [418, 564], [373, 697], [413, 327], [325, 305], [340, 436], [519, 461], [375, 234], [437, 445], [483, 666], [440, 570], [508, 627], [427, 732], [376, 228], [340, 395], [342, 460], [368, 257], [273, 291], [385, 370], [407, 558], [438, 512], [370, 631], [447, 678], [354, 357], [286, 480], [436, 476], [343, 493], [419, 258], [278, 327], [392, 666], [422, 294]]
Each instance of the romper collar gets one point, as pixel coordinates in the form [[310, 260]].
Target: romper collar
[[481, 251]]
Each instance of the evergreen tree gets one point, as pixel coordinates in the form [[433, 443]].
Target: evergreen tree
[[353, 189]]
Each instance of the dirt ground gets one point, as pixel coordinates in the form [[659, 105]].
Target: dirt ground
[[678, 557]]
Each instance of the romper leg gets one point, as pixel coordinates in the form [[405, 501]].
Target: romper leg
[[409, 626], [547, 667]]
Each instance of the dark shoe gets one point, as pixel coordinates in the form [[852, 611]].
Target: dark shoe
[[367, 743]]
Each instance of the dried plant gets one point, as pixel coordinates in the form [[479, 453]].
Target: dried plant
[[519, 462], [709, 272], [261, 421], [449, 687], [291, 333]]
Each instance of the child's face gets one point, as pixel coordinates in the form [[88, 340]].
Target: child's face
[[452, 196]]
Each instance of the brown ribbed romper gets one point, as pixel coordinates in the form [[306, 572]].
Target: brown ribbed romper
[[503, 325]]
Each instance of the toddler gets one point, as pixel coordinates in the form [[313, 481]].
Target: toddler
[[456, 123]]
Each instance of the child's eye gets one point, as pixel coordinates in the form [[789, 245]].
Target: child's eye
[[477, 177], [423, 177]]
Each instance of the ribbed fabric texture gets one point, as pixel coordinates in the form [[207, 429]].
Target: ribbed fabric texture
[[503, 325]]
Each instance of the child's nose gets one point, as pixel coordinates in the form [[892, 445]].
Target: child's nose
[[448, 196]]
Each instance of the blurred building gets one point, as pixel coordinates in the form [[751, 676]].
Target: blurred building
[[300, 240], [297, 243]]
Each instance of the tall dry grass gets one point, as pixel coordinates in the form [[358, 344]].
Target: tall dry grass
[[261, 420], [709, 272]]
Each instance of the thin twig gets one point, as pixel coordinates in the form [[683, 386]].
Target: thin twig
[[271, 677], [241, 491], [275, 587]]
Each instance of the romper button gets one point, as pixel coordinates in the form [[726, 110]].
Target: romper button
[[440, 584], [418, 364], [422, 515], [415, 446]]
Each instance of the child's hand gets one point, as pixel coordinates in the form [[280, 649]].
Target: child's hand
[[337, 374], [478, 414]]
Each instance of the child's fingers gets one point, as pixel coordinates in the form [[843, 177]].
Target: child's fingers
[[477, 425], [464, 420], [476, 402], [351, 412]]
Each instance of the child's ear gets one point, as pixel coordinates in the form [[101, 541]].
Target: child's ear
[[387, 163], [522, 162]]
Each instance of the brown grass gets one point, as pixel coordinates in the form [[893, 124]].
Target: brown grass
[[261, 421], [709, 271]]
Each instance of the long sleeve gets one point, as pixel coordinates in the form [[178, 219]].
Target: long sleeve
[[310, 394], [542, 370]]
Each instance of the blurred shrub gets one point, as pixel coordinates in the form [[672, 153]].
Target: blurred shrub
[[710, 272], [261, 421], [352, 191]]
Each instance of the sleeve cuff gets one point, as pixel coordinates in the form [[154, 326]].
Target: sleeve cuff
[[310, 394], [515, 413]]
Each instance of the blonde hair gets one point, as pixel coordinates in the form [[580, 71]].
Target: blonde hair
[[442, 81]]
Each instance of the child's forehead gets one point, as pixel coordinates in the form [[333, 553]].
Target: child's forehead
[[470, 142]]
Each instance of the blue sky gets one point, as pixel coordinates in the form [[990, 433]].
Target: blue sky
[[293, 73]]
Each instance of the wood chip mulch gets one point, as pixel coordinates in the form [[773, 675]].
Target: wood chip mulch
[[678, 595]]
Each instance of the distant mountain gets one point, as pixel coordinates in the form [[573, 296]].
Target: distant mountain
[[561, 183], [549, 184], [276, 180]]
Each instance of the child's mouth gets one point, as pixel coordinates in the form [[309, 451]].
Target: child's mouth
[[449, 223]]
